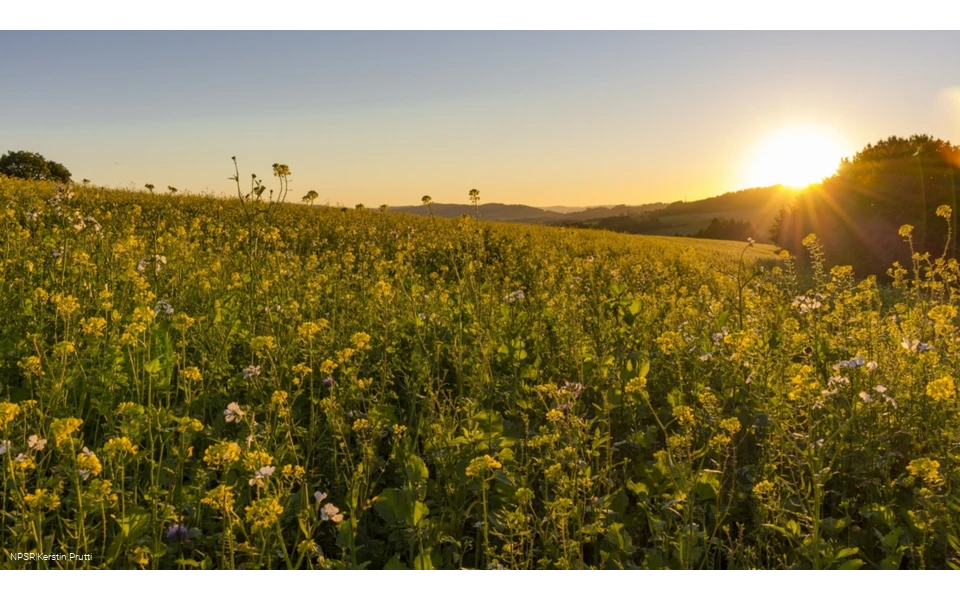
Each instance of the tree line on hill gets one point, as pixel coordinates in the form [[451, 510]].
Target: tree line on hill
[[857, 212]]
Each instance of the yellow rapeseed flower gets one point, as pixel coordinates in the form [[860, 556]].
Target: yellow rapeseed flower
[[119, 447], [222, 454], [482, 465], [264, 513], [62, 429], [926, 469], [220, 498], [8, 412], [42, 500], [942, 389]]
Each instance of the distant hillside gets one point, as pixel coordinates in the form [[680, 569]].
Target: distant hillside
[[522, 213], [754, 208], [490, 212]]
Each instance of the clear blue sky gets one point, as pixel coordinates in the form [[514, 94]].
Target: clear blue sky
[[536, 118]]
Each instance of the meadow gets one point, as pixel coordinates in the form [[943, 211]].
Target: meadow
[[199, 382]]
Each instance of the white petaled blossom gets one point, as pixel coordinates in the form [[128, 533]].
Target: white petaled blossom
[[320, 496], [871, 365], [4, 447], [514, 296], [163, 307], [915, 345], [142, 265], [853, 363], [865, 397], [251, 371], [806, 304], [261, 474], [834, 384], [751, 241], [880, 389], [35, 443], [158, 261], [329, 512], [232, 413]]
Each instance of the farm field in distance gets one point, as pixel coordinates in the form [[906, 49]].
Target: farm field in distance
[[200, 382]]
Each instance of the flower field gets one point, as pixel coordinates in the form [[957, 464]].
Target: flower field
[[198, 382]]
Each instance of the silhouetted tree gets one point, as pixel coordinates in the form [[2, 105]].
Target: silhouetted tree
[[857, 212], [30, 165], [726, 229]]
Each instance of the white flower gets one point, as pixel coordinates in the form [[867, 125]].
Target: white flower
[[750, 239], [915, 345], [35, 443], [806, 304], [4, 447], [232, 413], [853, 363], [871, 365], [142, 265], [881, 389], [329, 513], [514, 296], [319, 496], [865, 397], [260, 475], [251, 371]]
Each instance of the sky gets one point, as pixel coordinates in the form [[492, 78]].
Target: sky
[[538, 118]]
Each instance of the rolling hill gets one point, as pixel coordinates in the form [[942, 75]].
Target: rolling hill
[[758, 206]]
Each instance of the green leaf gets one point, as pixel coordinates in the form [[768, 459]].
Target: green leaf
[[722, 319], [423, 561], [187, 562], [793, 527], [707, 485], [851, 565], [847, 552], [415, 469], [420, 512], [892, 563]]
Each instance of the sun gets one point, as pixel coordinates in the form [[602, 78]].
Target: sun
[[796, 156]]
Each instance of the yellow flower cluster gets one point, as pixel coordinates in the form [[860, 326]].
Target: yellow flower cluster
[[482, 465], [8, 412], [942, 389], [119, 447], [222, 454], [264, 513]]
